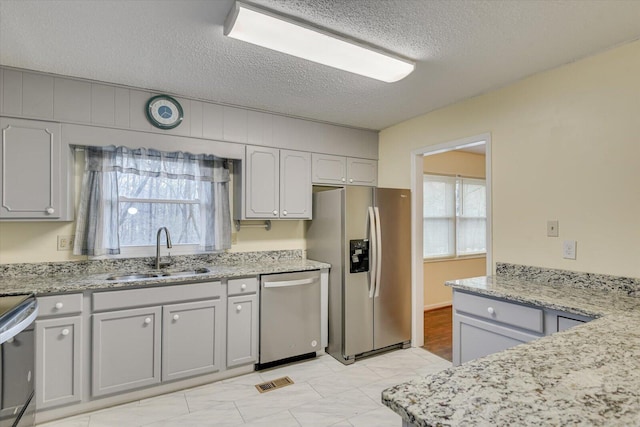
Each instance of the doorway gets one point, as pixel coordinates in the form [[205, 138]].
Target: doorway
[[448, 267]]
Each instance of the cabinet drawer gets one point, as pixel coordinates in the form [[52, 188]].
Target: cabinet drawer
[[168, 294], [517, 315], [59, 304], [248, 285]]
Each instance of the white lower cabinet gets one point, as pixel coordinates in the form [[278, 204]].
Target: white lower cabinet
[[242, 321], [180, 334], [242, 330], [58, 361], [191, 339], [60, 357], [126, 350], [475, 338], [484, 325], [142, 337]]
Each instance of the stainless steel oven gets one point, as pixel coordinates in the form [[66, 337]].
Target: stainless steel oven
[[17, 360]]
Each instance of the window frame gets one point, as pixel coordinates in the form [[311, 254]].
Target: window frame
[[458, 182]]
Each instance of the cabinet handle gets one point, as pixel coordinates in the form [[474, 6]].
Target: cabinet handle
[[350, 179], [284, 213], [491, 310], [243, 286], [147, 320], [50, 210], [238, 307], [176, 316], [65, 332], [59, 305], [275, 212], [344, 179]]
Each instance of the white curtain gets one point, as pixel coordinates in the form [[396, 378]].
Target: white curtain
[[127, 194]]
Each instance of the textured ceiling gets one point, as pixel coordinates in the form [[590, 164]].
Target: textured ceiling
[[462, 48]]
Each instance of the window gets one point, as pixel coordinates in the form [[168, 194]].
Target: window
[[148, 203], [455, 216], [128, 194]]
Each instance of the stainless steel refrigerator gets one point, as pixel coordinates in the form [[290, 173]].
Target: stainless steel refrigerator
[[365, 234]]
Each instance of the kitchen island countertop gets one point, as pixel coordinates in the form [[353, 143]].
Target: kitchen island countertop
[[78, 282], [587, 375]]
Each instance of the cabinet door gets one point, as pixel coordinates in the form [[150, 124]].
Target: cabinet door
[[295, 185], [262, 190], [473, 338], [362, 172], [30, 169], [327, 169], [191, 339], [242, 330], [126, 350], [58, 361]]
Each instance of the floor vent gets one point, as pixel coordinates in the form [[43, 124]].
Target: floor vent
[[274, 384]]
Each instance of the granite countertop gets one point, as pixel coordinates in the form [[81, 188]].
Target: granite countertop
[[587, 375], [75, 281]]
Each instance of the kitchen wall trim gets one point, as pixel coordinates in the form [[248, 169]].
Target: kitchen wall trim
[[71, 101]]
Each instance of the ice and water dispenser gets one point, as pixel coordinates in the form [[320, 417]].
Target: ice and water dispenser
[[359, 255]]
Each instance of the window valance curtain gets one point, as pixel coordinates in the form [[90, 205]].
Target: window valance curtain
[[116, 173]]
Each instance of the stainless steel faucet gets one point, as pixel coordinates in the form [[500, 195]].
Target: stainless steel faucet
[[166, 230]]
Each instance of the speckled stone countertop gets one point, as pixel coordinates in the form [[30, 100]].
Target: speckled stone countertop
[[587, 375], [78, 277]]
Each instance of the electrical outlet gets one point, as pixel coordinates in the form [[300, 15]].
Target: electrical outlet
[[552, 228], [569, 249], [65, 243]]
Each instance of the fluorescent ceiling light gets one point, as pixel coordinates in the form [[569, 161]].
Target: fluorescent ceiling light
[[266, 29]]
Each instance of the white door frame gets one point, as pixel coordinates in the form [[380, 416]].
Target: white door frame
[[417, 168]]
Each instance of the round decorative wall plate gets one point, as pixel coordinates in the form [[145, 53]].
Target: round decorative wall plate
[[164, 112]]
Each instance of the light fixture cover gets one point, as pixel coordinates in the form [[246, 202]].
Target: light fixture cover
[[266, 29]]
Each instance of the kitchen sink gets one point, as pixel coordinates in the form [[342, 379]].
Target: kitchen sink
[[133, 276], [194, 272], [137, 276]]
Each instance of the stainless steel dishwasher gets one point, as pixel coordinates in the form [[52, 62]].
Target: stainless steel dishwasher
[[289, 316]]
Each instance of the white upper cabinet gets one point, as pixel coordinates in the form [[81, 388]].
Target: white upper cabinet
[[295, 184], [277, 184], [328, 169], [262, 188], [362, 172], [33, 171], [338, 170]]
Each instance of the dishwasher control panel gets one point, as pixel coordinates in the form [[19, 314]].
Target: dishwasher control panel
[[359, 256]]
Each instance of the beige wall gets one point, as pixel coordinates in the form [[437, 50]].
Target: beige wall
[[565, 146], [460, 163], [38, 241], [436, 294]]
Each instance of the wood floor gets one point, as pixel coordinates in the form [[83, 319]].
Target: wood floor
[[438, 325]]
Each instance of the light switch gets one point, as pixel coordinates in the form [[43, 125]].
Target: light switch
[[569, 249], [552, 228]]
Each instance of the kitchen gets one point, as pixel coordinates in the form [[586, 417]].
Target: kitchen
[[577, 123]]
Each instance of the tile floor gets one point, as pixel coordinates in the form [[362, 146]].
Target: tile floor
[[325, 393]]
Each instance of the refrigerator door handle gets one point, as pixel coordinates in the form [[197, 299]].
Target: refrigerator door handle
[[373, 252], [379, 254]]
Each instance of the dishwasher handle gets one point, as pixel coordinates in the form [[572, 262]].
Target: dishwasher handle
[[285, 283], [18, 320]]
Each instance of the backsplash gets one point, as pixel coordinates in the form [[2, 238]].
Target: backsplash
[[138, 264], [627, 285]]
